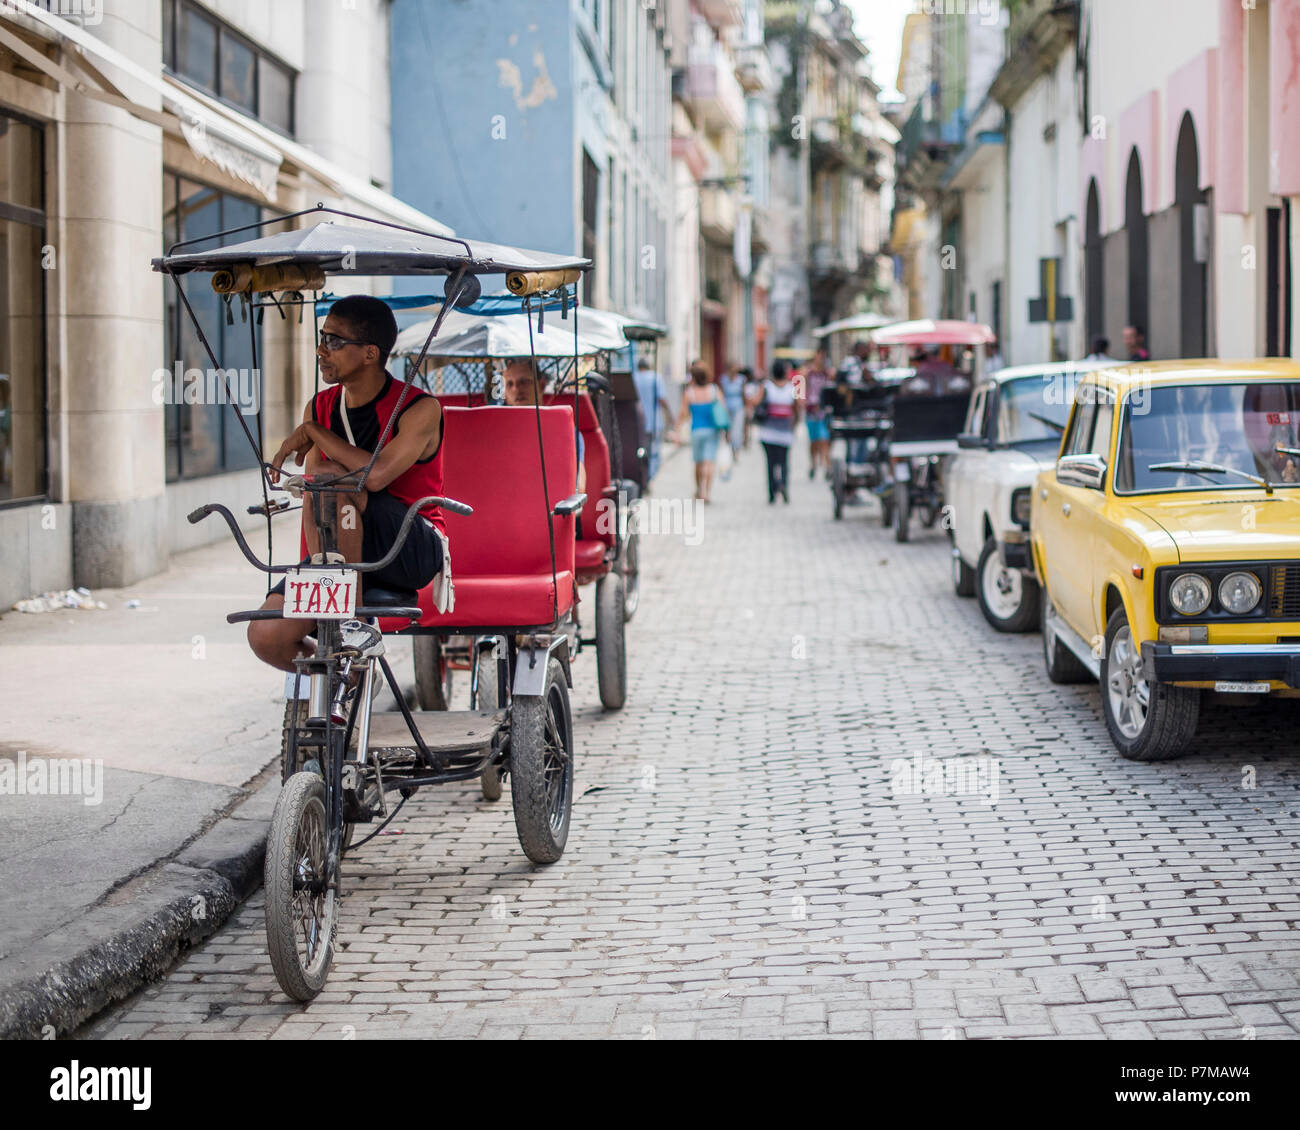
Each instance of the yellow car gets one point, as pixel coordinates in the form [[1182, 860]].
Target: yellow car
[[1167, 539]]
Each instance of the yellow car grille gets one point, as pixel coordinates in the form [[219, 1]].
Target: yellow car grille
[[1284, 593]]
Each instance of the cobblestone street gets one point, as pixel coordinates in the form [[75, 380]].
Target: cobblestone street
[[741, 863]]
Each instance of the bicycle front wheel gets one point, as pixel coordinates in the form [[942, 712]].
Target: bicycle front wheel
[[301, 888]]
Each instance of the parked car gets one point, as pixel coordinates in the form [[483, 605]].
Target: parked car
[[1168, 540], [1013, 431]]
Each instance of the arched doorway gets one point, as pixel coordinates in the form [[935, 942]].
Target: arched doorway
[[1093, 268], [1192, 268], [1139, 260]]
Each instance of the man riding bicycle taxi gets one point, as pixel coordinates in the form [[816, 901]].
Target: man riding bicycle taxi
[[340, 430]]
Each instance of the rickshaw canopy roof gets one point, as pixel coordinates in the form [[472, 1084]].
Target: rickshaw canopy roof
[[598, 330], [370, 251], [930, 332], [608, 328], [477, 337], [859, 322], [631, 328]]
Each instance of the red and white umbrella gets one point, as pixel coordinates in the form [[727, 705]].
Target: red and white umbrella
[[927, 331]]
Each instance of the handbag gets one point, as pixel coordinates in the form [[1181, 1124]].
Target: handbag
[[761, 411], [726, 460], [721, 417]]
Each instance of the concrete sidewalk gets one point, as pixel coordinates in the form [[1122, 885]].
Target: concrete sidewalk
[[139, 753]]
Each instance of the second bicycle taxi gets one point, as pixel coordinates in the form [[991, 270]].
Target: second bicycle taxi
[[927, 415], [463, 369]]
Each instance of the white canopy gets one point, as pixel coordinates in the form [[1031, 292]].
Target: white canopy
[[859, 322], [475, 336]]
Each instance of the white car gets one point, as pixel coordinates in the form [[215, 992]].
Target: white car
[[1013, 431]]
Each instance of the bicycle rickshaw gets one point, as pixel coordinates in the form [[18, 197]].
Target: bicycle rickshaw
[[606, 551], [858, 421], [926, 416], [514, 593]]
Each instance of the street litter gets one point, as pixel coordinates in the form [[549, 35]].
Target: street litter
[[53, 601]]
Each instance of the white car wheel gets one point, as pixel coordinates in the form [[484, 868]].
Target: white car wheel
[[1003, 588]]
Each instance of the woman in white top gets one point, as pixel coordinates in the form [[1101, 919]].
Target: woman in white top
[[776, 414]]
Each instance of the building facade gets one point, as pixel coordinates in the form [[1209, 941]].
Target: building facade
[[125, 128], [546, 126], [833, 162], [721, 78], [1138, 157]]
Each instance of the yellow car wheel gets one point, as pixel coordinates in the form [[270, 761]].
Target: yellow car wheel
[[1147, 721]]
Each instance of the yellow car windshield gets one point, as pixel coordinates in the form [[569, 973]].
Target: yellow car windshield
[[1229, 431]]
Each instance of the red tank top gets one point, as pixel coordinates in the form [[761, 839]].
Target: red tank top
[[421, 478]]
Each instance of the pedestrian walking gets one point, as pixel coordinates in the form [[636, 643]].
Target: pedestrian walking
[[652, 391], [733, 394], [994, 362], [816, 380], [776, 414], [701, 403]]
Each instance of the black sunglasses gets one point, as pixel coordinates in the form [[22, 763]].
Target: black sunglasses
[[333, 342]]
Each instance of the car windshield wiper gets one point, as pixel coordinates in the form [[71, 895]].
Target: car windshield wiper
[[1053, 424], [1199, 467]]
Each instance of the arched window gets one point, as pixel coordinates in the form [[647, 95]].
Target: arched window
[[1094, 267], [1139, 264], [1192, 272]]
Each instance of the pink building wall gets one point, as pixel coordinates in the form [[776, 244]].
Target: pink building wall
[[1139, 127], [1230, 166], [1191, 90], [1284, 97]]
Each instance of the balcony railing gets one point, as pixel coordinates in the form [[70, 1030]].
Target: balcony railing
[[754, 68], [710, 83], [717, 212], [721, 13]]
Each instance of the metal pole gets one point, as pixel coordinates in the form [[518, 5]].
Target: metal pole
[[805, 161]]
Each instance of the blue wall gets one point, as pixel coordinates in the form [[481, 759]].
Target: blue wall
[[519, 189]]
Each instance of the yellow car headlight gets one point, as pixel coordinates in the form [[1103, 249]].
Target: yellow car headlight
[[1190, 594], [1239, 593]]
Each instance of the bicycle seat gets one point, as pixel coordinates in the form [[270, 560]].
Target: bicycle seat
[[376, 596]]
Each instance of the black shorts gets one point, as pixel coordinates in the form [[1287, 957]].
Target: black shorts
[[415, 566]]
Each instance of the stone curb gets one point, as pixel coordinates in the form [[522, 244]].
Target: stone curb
[[137, 932]]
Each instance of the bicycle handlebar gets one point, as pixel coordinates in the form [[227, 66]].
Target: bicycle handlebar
[[197, 516]]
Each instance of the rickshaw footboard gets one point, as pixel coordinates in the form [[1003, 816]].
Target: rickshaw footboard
[[445, 732]]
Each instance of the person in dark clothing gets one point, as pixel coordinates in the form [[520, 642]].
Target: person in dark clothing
[[1135, 341], [776, 414], [340, 432]]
